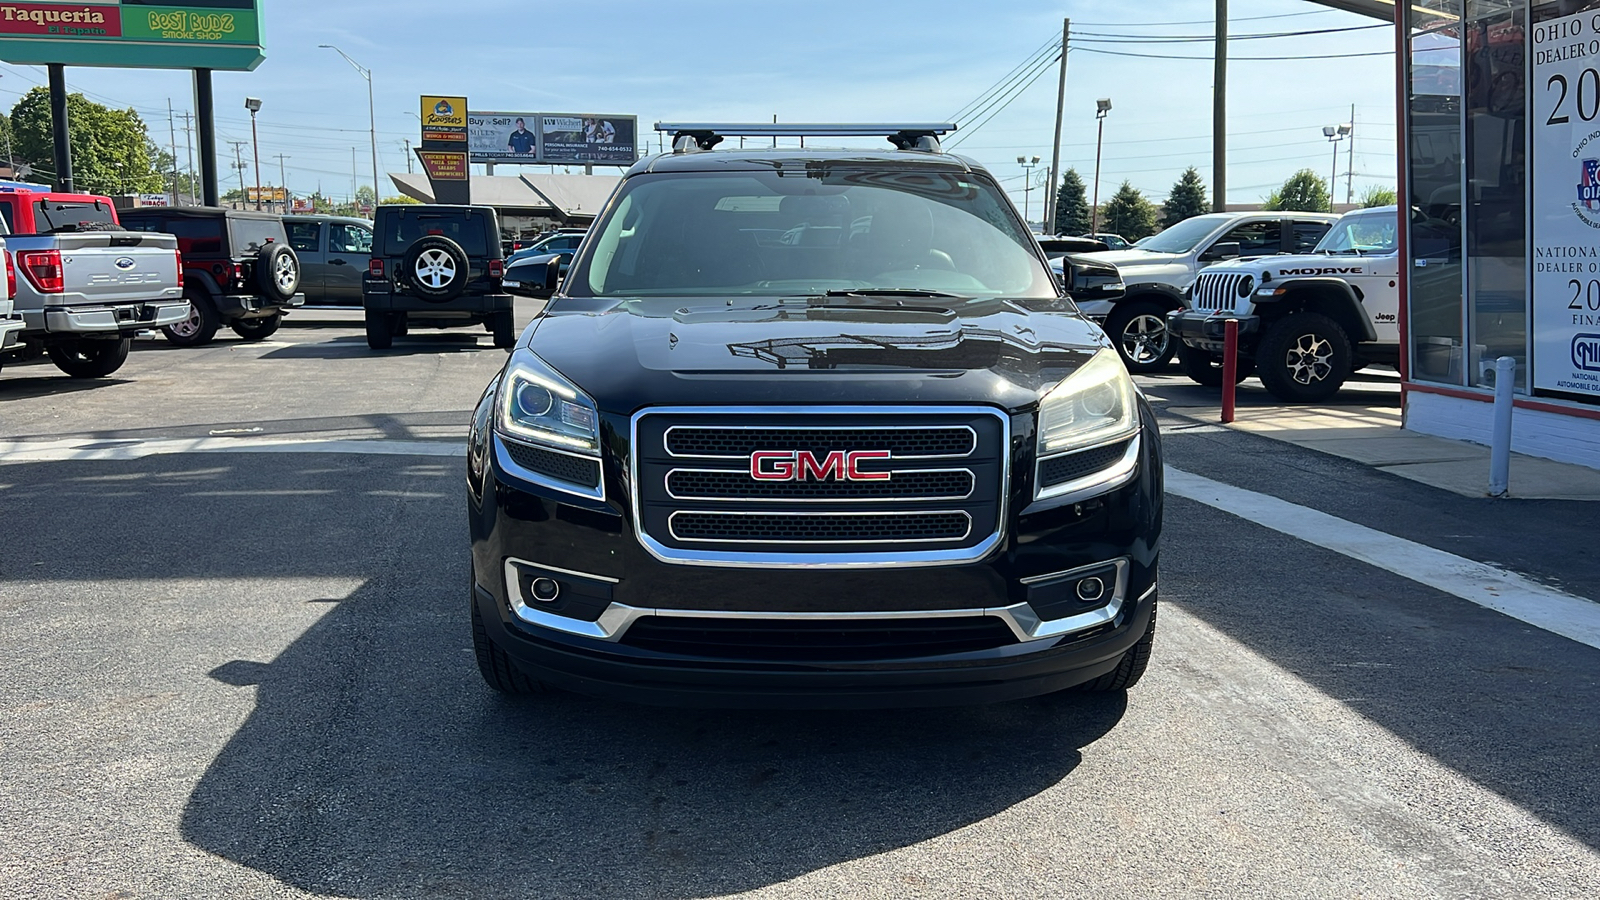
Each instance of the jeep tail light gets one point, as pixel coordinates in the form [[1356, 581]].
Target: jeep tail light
[[238, 274], [43, 270], [497, 268], [375, 267], [11, 276]]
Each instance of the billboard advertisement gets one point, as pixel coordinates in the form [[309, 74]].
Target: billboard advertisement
[[444, 120], [503, 137], [588, 139]]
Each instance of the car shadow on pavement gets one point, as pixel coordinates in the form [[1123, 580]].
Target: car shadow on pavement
[[416, 343], [14, 385], [376, 763]]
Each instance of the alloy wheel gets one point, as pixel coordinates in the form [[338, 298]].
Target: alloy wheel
[[1310, 359], [435, 268], [285, 274], [190, 326], [1145, 339]]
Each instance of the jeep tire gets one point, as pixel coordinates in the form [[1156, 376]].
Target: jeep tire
[[1205, 367], [1139, 330], [277, 272], [257, 329], [380, 330], [436, 269], [1304, 357], [86, 358], [200, 327]]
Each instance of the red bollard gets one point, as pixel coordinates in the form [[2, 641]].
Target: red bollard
[[1230, 367]]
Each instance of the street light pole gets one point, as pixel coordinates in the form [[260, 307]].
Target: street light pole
[[1334, 134], [254, 105], [1101, 107], [372, 116], [1027, 185]]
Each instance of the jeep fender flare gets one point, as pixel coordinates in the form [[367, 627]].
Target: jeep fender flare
[[1163, 293], [203, 281], [1333, 297]]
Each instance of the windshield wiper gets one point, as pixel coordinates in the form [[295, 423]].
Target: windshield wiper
[[895, 292]]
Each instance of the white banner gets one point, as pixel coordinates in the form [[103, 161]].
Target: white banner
[[1566, 204]]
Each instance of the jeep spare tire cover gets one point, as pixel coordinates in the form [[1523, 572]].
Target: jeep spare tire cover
[[277, 272], [436, 268]]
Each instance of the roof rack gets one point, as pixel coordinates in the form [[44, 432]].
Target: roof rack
[[689, 137]]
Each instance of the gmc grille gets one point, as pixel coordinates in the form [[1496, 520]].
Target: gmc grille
[[697, 500]]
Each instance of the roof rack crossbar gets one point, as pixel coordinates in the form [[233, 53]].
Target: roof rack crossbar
[[705, 135]]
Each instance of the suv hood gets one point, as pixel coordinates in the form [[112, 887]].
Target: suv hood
[[629, 354], [1309, 265]]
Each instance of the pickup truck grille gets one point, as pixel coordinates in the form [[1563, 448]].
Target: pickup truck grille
[[1217, 291], [696, 497]]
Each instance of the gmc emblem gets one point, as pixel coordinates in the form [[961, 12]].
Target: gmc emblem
[[803, 465]]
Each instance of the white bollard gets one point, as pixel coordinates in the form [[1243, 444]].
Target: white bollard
[[1505, 382]]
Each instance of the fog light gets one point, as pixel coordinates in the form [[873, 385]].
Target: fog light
[[1091, 590], [546, 590]]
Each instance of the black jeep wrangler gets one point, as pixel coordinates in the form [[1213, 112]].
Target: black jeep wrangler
[[436, 266], [238, 270]]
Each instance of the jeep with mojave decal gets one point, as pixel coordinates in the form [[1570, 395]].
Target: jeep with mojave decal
[[1305, 322]]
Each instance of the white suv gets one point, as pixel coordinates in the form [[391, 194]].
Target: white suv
[[1305, 322], [1158, 271]]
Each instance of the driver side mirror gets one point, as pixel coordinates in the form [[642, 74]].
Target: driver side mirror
[[1221, 251], [533, 278]]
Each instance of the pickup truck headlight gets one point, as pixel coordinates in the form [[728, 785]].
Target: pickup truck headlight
[[1094, 405], [539, 406]]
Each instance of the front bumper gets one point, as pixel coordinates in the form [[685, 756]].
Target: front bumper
[[610, 583], [1206, 329]]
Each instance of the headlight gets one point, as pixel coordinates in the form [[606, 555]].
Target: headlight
[[1094, 405], [539, 406]]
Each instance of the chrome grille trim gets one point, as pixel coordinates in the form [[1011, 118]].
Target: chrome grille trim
[[972, 448]]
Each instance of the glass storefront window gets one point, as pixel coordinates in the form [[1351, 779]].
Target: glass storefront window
[[1434, 90]]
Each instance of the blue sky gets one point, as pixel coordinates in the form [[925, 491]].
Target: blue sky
[[821, 60]]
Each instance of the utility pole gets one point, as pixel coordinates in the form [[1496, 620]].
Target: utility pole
[[1101, 107], [1350, 171], [254, 105], [1219, 115], [238, 163], [409, 170], [283, 181], [188, 141], [172, 130], [1055, 155], [355, 199]]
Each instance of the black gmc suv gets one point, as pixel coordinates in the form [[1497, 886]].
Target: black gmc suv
[[436, 266], [812, 428], [238, 270]]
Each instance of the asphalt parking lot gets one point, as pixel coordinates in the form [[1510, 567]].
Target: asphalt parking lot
[[235, 673]]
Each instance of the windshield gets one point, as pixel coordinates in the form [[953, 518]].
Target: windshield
[[1367, 234], [827, 228], [1184, 236]]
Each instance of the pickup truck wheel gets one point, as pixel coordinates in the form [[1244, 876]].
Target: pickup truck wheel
[[504, 327], [1133, 664], [257, 329], [1139, 329], [90, 359], [1205, 367], [1303, 358], [380, 330], [498, 669], [200, 327]]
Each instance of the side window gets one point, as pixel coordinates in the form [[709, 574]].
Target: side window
[[349, 239], [7, 211], [1308, 234], [568, 243], [142, 224], [304, 236], [1256, 238], [196, 237]]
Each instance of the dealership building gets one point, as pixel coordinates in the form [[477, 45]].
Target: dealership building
[[1499, 112]]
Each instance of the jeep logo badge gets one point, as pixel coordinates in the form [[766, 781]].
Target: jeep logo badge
[[125, 263]]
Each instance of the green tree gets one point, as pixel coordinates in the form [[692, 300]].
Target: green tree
[[1187, 200], [399, 200], [1305, 191], [110, 148], [1072, 205], [1378, 196], [1129, 214]]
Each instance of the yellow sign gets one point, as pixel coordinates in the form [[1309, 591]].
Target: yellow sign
[[444, 112], [266, 194]]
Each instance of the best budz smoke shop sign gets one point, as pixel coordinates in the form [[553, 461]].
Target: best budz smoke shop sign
[[203, 34], [1566, 205]]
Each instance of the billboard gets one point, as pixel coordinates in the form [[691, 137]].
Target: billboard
[[444, 121], [588, 139], [503, 137], [266, 194], [156, 34]]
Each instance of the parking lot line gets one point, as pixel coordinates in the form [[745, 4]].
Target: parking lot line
[[1488, 586], [93, 449]]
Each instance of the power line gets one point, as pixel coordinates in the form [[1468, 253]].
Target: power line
[[971, 109], [1043, 68], [1232, 58], [1312, 12], [1105, 37]]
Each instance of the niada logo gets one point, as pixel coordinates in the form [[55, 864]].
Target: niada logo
[[1586, 352], [1589, 185]]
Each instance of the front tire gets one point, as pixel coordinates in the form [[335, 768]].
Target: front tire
[[200, 327], [1133, 664], [1205, 367], [257, 329], [1304, 358], [499, 671], [90, 359], [1139, 330], [380, 330]]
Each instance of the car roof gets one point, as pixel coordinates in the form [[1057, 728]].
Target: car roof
[[314, 217], [199, 212], [767, 159]]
